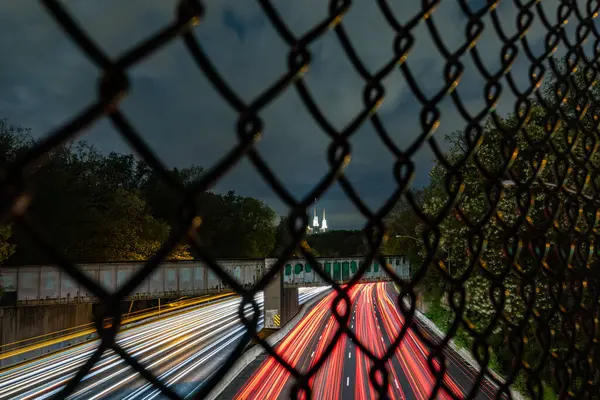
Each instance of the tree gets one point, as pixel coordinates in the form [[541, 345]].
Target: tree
[[181, 252], [111, 172], [335, 243], [118, 227], [13, 141], [6, 249], [96, 208], [164, 201], [547, 145], [339, 243], [236, 227], [283, 239], [88, 206]]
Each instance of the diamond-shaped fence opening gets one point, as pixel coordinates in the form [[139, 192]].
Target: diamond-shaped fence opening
[[507, 229]]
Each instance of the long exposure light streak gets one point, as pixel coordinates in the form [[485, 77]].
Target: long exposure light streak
[[182, 350], [376, 321]]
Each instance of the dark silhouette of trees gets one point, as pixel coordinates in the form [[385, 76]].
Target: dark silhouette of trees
[[101, 208]]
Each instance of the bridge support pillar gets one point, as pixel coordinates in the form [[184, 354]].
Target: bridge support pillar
[[289, 304], [281, 304]]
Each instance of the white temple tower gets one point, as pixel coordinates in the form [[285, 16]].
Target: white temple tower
[[315, 225], [324, 223], [315, 220]]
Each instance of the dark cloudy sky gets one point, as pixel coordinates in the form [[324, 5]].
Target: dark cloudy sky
[[45, 80]]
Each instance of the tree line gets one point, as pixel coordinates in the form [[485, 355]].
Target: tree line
[[103, 208]]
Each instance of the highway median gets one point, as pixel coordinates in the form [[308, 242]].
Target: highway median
[[253, 351]]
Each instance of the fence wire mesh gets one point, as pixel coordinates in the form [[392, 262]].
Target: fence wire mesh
[[548, 174]]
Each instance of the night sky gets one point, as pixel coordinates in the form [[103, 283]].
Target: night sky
[[45, 80]]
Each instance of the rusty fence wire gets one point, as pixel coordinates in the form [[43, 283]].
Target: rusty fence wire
[[547, 176]]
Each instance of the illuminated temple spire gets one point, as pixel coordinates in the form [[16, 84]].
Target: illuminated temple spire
[[324, 223], [315, 220]]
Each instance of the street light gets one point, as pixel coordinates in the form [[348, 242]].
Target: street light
[[407, 237]]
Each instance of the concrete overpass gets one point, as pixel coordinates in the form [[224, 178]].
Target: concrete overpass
[[281, 295], [38, 285], [42, 299]]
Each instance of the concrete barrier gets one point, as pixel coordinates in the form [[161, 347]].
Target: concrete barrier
[[250, 355]]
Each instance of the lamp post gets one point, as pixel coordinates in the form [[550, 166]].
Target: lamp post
[[407, 237], [412, 238], [448, 252], [420, 303]]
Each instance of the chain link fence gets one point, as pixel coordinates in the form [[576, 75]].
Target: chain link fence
[[534, 239]]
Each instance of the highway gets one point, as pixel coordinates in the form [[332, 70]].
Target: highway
[[376, 321], [182, 350]]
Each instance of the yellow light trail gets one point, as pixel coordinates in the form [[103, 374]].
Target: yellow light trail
[[89, 331]]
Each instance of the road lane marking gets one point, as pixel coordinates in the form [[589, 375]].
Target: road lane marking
[[395, 380], [312, 355], [320, 337], [347, 381], [382, 338], [349, 355]]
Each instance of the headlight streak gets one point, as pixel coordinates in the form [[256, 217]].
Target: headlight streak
[[167, 332], [230, 341], [166, 374], [376, 321], [328, 381], [167, 345], [132, 337], [369, 332], [271, 377], [412, 358], [169, 351]]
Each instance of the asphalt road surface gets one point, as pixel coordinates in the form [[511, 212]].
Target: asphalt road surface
[[376, 321], [182, 350]]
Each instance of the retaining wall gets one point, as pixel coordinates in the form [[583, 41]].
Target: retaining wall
[[25, 322]]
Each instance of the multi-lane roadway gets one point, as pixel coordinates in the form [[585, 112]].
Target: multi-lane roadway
[[184, 349], [376, 321], [181, 350]]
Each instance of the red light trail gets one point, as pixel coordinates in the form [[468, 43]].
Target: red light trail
[[376, 321]]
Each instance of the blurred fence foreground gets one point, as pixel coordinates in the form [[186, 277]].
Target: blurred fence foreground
[[517, 194]]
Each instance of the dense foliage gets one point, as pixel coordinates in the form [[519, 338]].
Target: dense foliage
[[97, 208], [339, 243], [6, 249], [334, 243], [520, 224], [101, 208]]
